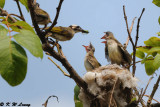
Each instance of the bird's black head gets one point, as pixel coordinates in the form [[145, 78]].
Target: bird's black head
[[77, 29]]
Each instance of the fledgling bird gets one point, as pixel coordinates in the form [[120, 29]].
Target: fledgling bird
[[41, 16], [115, 52], [90, 62]]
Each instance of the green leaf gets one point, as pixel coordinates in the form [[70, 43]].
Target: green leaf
[[156, 62], [2, 3], [25, 3], [154, 54], [76, 92], [133, 99], [144, 49], [78, 103], [13, 63], [153, 41], [140, 54], [149, 67], [30, 41], [156, 2], [14, 28], [154, 49], [158, 33], [159, 19], [3, 32], [24, 25]]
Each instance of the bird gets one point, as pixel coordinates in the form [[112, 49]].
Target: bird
[[64, 33], [90, 62], [115, 52], [41, 16]]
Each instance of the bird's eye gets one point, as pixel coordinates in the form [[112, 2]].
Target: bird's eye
[[78, 27]]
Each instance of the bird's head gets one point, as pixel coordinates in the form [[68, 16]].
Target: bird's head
[[77, 29], [36, 5], [89, 48], [108, 35]]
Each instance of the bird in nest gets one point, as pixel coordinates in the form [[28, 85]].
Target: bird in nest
[[90, 62], [115, 52]]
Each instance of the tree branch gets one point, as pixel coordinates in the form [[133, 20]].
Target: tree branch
[[130, 30], [56, 17], [141, 96], [5, 13], [153, 92], [153, 98], [47, 48], [134, 48], [131, 40], [125, 17], [20, 11], [65, 74]]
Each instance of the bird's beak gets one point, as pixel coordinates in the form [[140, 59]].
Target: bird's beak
[[104, 42], [103, 37], [85, 46], [85, 31]]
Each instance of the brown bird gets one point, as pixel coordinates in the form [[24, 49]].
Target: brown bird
[[41, 16], [90, 62], [115, 52]]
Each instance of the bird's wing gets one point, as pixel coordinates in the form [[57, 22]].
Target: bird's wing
[[41, 13], [60, 30], [106, 53], [126, 56], [93, 61]]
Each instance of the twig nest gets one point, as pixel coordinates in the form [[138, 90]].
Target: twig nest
[[107, 81]]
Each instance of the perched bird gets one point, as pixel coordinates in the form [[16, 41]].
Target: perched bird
[[41, 16], [65, 33], [115, 52], [90, 62]]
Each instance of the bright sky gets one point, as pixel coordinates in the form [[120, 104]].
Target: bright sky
[[44, 79]]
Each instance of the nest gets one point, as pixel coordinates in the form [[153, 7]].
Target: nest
[[111, 84]]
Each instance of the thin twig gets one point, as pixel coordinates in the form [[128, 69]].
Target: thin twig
[[110, 100], [59, 67], [125, 17], [134, 49], [137, 93], [130, 30], [144, 46], [56, 17], [46, 102], [141, 96], [5, 13], [153, 92], [20, 11], [18, 16], [153, 98]]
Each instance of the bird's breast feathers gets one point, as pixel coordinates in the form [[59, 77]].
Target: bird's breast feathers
[[113, 50]]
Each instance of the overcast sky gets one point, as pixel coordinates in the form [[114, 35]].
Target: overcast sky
[[44, 79]]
